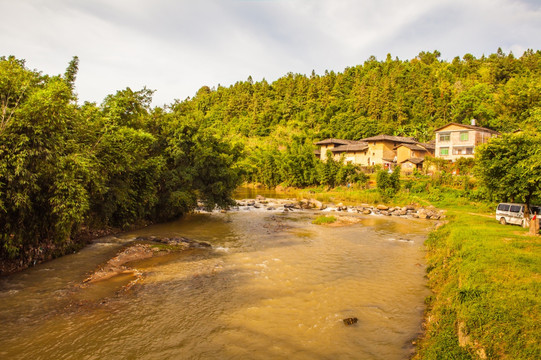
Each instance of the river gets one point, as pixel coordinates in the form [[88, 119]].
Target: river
[[273, 286]]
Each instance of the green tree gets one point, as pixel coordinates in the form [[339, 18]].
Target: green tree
[[42, 178], [298, 165], [198, 165], [328, 170], [509, 167], [388, 184], [71, 73]]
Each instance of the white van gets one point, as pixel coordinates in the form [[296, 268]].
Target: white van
[[510, 213]]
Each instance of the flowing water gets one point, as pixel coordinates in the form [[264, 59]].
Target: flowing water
[[273, 286]]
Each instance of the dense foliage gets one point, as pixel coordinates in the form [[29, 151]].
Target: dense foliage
[[297, 166], [510, 167], [388, 184], [63, 165], [394, 97]]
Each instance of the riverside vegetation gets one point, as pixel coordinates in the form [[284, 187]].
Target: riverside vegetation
[[67, 169]]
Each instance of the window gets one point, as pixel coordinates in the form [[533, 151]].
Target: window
[[503, 207], [445, 137], [444, 151], [515, 208], [462, 151], [464, 136]]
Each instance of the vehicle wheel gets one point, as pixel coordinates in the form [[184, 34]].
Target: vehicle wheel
[[502, 221]]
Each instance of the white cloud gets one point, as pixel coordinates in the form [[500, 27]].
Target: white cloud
[[176, 47]]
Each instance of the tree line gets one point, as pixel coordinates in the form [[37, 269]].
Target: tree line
[[393, 96], [64, 165]]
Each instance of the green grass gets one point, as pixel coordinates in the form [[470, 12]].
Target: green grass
[[485, 279], [167, 247], [324, 220]]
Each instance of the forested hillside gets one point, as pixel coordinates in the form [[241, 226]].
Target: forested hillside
[[394, 97]]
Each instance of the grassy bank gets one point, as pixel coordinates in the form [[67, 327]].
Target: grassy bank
[[485, 279]]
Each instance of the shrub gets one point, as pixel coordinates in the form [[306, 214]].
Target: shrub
[[388, 184], [324, 220]]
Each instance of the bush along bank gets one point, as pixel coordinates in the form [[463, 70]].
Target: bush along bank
[[485, 280]]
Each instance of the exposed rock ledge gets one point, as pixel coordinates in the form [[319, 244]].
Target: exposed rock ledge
[[141, 248]]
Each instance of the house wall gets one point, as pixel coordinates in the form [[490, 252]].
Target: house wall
[[403, 153], [361, 158], [457, 145], [482, 137], [407, 167], [379, 150], [324, 148], [354, 157]]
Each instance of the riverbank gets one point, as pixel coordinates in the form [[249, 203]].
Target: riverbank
[[49, 251], [486, 301]]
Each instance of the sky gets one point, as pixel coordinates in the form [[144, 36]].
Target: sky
[[177, 46]]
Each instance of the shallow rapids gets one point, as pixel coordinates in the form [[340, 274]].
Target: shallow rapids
[[273, 286]]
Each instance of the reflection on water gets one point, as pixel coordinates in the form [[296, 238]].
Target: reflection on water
[[273, 286]]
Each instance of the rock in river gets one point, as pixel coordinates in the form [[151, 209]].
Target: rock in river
[[350, 321]]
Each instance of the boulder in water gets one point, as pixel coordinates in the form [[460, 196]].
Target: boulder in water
[[350, 321]]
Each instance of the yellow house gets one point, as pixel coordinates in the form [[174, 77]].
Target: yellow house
[[410, 151], [382, 149], [459, 140], [330, 144], [408, 165], [355, 153]]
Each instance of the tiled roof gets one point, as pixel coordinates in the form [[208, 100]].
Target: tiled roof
[[429, 146], [415, 161], [359, 146], [471, 127], [335, 141], [401, 139], [412, 147]]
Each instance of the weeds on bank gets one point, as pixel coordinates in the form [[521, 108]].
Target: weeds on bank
[[485, 278], [324, 220]]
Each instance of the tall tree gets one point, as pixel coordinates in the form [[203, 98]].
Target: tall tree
[[509, 167]]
